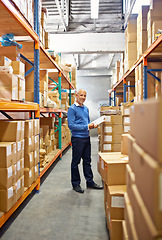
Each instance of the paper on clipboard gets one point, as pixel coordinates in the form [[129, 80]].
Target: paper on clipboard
[[99, 120]]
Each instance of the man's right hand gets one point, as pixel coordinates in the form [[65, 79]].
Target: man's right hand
[[90, 125]]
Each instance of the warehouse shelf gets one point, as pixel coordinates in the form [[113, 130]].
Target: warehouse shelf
[[12, 21], [152, 54], [6, 215], [52, 158], [51, 110], [15, 106]]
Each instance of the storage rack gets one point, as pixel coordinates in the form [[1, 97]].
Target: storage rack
[[34, 52], [153, 53]]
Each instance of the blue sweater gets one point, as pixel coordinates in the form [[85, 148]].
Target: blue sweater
[[78, 120]]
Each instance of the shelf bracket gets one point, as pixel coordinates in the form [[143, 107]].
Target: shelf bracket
[[53, 80], [6, 115], [42, 115], [158, 79]]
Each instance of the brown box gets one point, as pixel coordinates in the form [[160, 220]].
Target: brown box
[[12, 52], [125, 110], [124, 144], [10, 131], [28, 129], [116, 229], [4, 61], [115, 129], [148, 128], [142, 220], [7, 177], [28, 176], [116, 201], [113, 119], [148, 171], [47, 121], [129, 219], [8, 154], [36, 156], [29, 160], [111, 147], [28, 145], [18, 68], [7, 199], [112, 138]]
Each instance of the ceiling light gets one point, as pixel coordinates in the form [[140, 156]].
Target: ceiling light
[[94, 8]]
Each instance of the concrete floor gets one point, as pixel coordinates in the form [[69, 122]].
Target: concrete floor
[[58, 212]]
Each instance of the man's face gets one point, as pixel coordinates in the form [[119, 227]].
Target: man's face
[[81, 97]]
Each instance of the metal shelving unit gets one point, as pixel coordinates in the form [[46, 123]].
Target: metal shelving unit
[[12, 21], [153, 53]]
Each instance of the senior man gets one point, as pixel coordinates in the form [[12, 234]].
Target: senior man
[[79, 124]]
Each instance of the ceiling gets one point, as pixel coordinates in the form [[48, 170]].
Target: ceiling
[[74, 17]]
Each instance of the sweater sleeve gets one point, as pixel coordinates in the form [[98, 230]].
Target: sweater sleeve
[[71, 122]]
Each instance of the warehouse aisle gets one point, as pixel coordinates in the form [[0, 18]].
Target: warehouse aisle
[[58, 212]]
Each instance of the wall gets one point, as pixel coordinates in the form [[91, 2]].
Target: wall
[[97, 92]]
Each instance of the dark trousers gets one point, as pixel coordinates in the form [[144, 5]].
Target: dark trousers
[[81, 148]]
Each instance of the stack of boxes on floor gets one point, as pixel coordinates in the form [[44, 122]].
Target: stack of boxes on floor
[[112, 167], [143, 216], [12, 81], [31, 152], [111, 129], [20, 156]]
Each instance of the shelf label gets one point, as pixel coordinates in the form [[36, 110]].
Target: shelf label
[[10, 192], [9, 171], [127, 120], [108, 129], [108, 138], [107, 118], [107, 146], [18, 166]]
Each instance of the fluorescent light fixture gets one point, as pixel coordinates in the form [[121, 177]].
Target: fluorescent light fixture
[[94, 8]]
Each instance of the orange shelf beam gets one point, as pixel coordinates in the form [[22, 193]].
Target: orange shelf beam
[[51, 110], [20, 19], [18, 106], [6, 215]]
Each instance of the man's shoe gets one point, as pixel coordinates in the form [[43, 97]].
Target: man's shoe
[[78, 189], [95, 186]]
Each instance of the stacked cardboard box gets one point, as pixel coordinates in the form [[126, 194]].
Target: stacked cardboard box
[[112, 167], [143, 199], [29, 85], [31, 151], [142, 31], [54, 96], [111, 130], [154, 20], [12, 164], [64, 100], [125, 109], [130, 43], [12, 79]]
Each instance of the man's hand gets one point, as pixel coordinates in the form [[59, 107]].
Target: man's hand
[[96, 125], [90, 125]]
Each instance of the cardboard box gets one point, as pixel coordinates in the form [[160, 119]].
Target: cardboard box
[[7, 199], [7, 177], [124, 144], [125, 231], [113, 119], [149, 172], [4, 61], [36, 156], [116, 229], [12, 52], [148, 128], [10, 131], [29, 160], [28, 145], [28, 129], [110, 147], [142, 220], [115, 129], [116, 201], [112, 138], [36, 172], [35, 126], [125, 110], [18, 68], [36, 142], [8, 86], [114, 168], [8, 154], [47, 121], [129, 219], [28, 176]]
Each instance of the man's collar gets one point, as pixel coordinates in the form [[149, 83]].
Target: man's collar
[[77, 104]]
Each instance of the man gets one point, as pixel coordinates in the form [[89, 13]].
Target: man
[[79, 124]]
